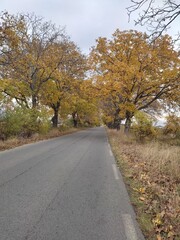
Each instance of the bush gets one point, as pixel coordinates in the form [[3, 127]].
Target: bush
[[143, 127], [11, 123], [172, 126], [23, 122]]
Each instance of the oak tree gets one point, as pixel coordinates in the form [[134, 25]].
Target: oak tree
[[29, 55], [66, 79], [133, 73]]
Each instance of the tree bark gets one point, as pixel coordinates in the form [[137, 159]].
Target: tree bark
[[34, 101], [117, 120], [127, 125], [75, 119], [118, 124], [128, 122], [54, 119]]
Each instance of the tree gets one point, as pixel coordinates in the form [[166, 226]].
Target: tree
[[83, 105], [110, 109], [156, 17], [132, 73], [67, 77], [38, 62], [29, 55]]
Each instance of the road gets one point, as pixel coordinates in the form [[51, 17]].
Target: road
[[66, 188]]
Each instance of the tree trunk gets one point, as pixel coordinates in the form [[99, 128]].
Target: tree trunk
[[118, 124], [117, 120], [34, 101], [128, 122], [55, 117], [127, 125], [55, 108], [75, 119]]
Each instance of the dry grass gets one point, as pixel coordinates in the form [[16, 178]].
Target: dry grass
[[163, 159], [15, 142], [151, 172]]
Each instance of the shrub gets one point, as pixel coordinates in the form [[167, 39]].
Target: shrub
[[143, 127], [11, 123], [23, 122], [172, 126]]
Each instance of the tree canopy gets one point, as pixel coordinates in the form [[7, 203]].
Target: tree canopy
[[42, 68], [131, 73]]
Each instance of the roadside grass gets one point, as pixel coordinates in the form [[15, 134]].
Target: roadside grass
[[151, 171], [18, 141]]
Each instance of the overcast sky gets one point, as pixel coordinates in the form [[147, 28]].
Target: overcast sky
[[85, 20]]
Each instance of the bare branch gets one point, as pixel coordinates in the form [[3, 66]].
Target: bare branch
[[157, 18]]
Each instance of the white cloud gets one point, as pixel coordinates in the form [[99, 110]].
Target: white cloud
[[85, 20]]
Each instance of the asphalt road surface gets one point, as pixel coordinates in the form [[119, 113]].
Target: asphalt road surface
[[67, 188]]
